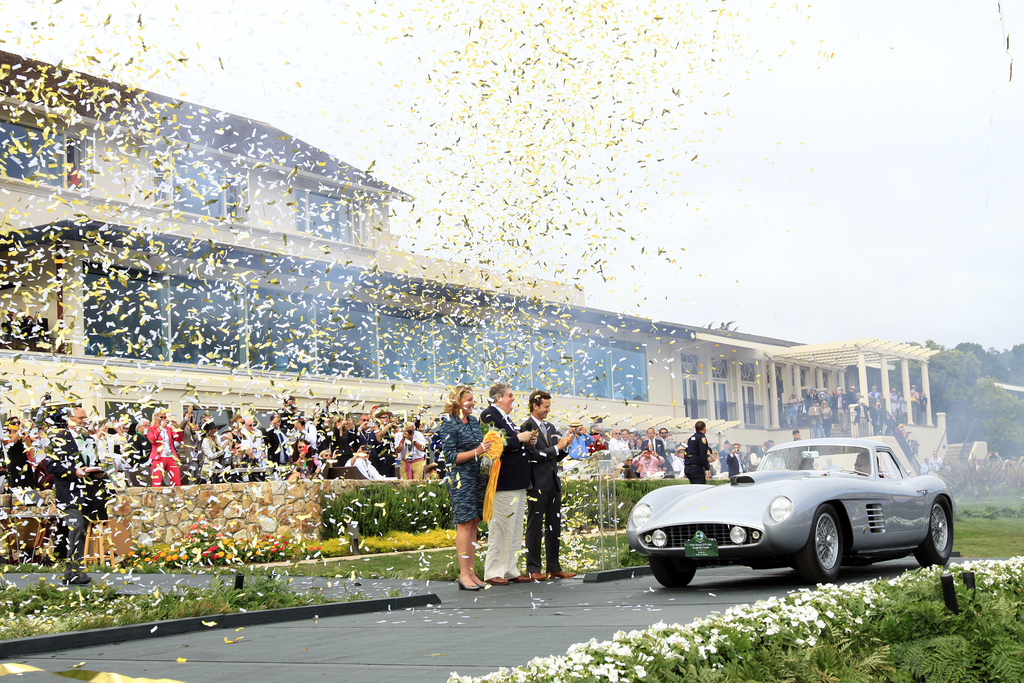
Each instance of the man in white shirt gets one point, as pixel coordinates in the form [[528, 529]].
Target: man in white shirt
[[616, 442], [411, 451], [361, 461]]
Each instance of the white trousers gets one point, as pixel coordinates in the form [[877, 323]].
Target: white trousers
[[505, 534]]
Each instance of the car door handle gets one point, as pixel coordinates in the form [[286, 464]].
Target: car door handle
[[923, 492]]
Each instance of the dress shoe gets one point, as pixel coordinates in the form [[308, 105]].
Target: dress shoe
[[537, 576], [562, 575], [470, 587], [77, 580], [497, 581], [521, 579]]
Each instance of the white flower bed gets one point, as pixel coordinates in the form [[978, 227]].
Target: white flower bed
[[798, 619]]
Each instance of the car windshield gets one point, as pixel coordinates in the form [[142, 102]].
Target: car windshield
[[822, 458]]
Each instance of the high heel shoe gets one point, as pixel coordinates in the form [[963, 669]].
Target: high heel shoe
[[464, 587]]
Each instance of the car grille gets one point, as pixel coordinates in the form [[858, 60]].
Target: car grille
[[876, 518], [680, 534]]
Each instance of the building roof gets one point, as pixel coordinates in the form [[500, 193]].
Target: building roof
[[848, 352], [32, 81]]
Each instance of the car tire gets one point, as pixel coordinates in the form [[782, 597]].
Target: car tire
[[672, 572], [938, 544], [819, 560]]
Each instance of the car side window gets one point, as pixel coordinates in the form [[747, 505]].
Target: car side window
[[888, 468]]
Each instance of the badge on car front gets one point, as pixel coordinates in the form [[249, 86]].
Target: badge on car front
[[701, 546]]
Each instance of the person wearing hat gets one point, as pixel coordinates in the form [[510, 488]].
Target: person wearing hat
[[648, 463]]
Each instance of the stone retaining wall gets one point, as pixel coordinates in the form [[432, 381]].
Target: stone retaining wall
[[161, 515]]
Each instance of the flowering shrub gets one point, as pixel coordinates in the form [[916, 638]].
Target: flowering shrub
[[400, 540], [207, 546], [877, 630]]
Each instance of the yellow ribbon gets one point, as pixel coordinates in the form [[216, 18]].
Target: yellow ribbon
[[492, 487]]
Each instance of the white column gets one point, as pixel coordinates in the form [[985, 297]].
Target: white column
[[926, 389], [862, 374], [773, 402], [839, 378], [905, 369], [818, 379], [885, 385], [709, 389]]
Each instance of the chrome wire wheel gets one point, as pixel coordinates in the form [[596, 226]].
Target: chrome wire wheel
[[826, 541], [938, 526]]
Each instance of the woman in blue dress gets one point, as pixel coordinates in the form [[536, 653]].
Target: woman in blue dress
[[462, 446]]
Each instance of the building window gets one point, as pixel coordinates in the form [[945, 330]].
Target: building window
[[208, 185], [690, 364], [32, 154], [592, 364], [457, 354], [207, 323], [507, 356], [629, 371], [719, 368], [282, 331], [346, 340], [748, 372], [124, 314], [337, 216], [406, 349], [552, 364]]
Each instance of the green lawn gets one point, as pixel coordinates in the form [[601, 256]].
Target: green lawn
[[989, 537]]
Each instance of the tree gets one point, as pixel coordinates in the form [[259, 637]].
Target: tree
[[1001, 417], [991, 366], [954, 375]]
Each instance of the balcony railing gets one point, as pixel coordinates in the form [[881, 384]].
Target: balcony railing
[[725, 410], [696, 409], [753, 415]]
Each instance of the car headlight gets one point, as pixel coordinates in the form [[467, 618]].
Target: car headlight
[[737, 535], [641, 513], [781, 508], [660, 538]]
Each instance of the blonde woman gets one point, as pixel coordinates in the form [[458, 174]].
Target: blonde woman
[[462, 445]]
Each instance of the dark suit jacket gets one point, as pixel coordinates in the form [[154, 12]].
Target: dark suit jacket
[[273, 445], [544, 458], [515, 467], [89, 494]]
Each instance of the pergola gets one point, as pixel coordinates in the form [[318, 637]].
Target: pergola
[[862, 353]]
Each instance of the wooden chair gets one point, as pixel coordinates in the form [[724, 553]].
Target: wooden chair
[[99, 545]]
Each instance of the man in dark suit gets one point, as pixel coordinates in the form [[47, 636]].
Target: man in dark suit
[[275, 441], [80, 488], [544, 497], [505, 529]]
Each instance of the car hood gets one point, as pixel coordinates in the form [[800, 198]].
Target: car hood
[[745, 501]]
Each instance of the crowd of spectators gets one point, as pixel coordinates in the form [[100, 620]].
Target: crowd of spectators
[[377, 445], [139, 451], [849, 413]]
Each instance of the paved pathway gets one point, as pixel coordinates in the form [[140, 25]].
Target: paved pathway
[[469, 632]]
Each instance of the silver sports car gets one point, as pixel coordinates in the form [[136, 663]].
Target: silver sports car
[[813, 505]]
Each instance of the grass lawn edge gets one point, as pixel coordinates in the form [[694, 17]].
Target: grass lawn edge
[[116, 634]]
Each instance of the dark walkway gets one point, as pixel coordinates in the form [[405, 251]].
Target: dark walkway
[[472, 633]]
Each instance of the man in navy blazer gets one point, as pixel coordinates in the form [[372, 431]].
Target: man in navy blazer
[[544, 498], [79, 488], [505, 530]]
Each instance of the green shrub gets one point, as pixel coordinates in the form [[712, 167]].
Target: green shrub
[[383, 508]]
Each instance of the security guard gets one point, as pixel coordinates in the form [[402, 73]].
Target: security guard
[[696, 465]]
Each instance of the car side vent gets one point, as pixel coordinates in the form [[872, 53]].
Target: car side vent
[[876, 520], [741, 479]]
